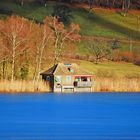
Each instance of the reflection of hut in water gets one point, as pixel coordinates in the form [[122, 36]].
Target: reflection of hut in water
[[68, 78]]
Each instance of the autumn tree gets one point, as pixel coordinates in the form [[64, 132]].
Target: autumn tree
[[99, 50], [3, 58], [24, 44], [42, 38], [125, 6], [15, 31], [62, 36]]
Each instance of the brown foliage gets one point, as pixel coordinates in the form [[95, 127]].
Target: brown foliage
[[15, 32], [123, 56], [137, 60], [25, 44], [62, 36]]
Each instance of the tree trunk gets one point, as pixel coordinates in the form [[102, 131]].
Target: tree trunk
[[113, 3], [45, 4], [56, 51], [13, 58], [128, 5], [22, 2], [36, 66], [123, 5], [39, 64], [96, 60], [13, 65], [3, 69]]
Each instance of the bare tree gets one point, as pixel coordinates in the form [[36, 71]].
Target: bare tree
[[99, 50], [3, 58], [15, 31], [43, 37], [90, 3], [125, 6], [62, 36]]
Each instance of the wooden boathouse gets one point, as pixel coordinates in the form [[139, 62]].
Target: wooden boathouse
[[65, 77]]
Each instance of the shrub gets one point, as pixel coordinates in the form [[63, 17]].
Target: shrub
[[137, 60], [81, 57], [127, 56], [24, 72], [5, 10], [63, 13], [137, 63]]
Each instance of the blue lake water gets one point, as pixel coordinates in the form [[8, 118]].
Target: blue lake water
[[70, 117]]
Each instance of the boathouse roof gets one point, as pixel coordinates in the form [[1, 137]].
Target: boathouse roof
[[66, 69]]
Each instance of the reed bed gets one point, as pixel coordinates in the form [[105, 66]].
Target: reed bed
[[100, 85], [117, 85], [23, 86]]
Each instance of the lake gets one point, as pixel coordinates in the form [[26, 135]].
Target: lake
[[99, 116]]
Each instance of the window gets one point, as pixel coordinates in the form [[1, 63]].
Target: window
[[68, 79], [71, 70], [48, 78], [84, 79], [58, 79], [89, 79], [77, 79]]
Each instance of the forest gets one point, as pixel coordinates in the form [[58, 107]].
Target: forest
[[25, 45], [124, 4]]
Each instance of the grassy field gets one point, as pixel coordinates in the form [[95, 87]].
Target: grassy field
[[112, 69], [107, 23], [101, 22], [115, 77], [123, 46]]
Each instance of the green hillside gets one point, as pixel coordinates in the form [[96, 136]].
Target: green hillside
[[112, 70], [100, 22], [104, 23]]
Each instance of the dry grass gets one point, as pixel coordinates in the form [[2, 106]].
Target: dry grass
[[101, 84], [117, 85], [22, 86]]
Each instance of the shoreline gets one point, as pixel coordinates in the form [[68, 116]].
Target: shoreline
[[42, 93], [107, 85]]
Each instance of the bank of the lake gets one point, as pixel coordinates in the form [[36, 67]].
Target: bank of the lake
[[99, 85]]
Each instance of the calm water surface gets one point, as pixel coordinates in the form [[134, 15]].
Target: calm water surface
[[70, 117]]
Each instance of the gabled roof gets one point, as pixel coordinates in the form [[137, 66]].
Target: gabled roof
[[50, 71], [66, 69]]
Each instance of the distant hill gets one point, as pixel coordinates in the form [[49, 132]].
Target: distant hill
[[102, 23]]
